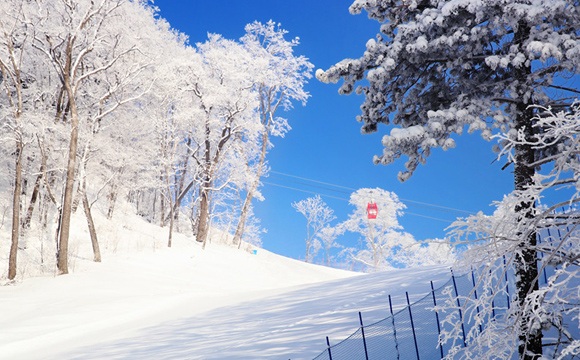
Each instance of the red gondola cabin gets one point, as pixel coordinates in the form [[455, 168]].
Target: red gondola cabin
[[372, 210]]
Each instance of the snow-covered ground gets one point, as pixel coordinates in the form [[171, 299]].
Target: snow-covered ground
[[146, 301]]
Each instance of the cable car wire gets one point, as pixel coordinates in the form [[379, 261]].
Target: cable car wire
[[447, 221], [304, 191], [446, 208]]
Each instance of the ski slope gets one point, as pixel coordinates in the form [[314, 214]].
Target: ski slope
[[146, 301]]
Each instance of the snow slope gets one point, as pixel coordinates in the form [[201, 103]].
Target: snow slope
[[289, 325], [149, 301]]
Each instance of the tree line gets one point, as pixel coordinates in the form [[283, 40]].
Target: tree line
[[103, 100], [382, 244]]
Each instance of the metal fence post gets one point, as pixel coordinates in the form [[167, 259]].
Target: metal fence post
[[362, 329], [394, 328], [475, 295], [412, 326], [437, 318], [459, 307], [328, 348]]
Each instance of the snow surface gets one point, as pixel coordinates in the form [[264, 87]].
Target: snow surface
[[148, 301]]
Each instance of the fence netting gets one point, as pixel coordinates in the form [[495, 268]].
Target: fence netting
[[413, 332], [395, 336]]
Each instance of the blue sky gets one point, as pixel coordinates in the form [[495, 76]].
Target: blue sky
[[325, 143]]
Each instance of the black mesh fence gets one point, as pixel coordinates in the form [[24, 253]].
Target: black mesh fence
[[413, 332]]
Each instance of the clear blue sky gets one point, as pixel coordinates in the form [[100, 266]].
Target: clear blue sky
[[325, 143]]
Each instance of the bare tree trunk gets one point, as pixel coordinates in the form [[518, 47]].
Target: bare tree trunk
[[250, 194], [142, 196], [82, 194], [12, 259], [49, 195], [203, 220], [33, 198], [171, 221], [181, 184], [240, 229], [193, 218], [162, 206], [91, 225], [209, 164], [112, 197], [171, 207], [62, 257], [77, 199], [43, 213], [14, 86], [181, 196], [268, 107]]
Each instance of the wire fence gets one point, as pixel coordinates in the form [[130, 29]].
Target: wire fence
[[413, 332], [410, 333]]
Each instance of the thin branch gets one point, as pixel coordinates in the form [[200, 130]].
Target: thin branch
[[576, 91]]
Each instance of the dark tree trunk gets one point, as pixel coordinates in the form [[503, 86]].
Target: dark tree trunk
[[206, 185], [526, 266], [33, 199], [181, 196]]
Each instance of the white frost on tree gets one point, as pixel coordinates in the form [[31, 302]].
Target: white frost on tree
[[279, 80], [440, 67], [327, 237], [385, 244], [554, 305], [318, 216]]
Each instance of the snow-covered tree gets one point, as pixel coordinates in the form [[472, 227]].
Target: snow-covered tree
[[440, 67], [112, 98], [81, 68], [221, 83], [14, 50], [382, 237], [327, 237], [74, 38], [279, 79], [318, 216], [25, 97], [554, 305]]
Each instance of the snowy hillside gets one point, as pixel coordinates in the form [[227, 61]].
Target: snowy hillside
[[149, 301]]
